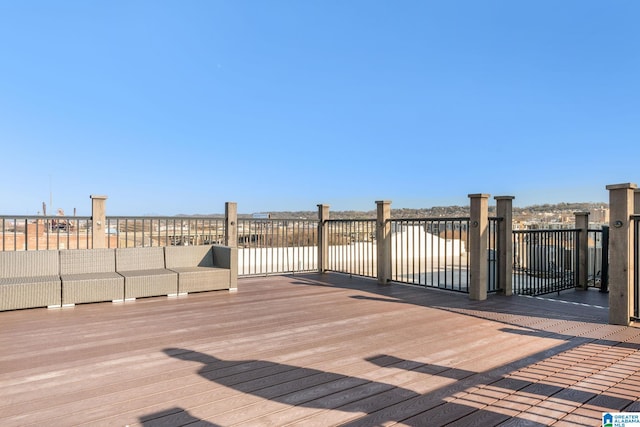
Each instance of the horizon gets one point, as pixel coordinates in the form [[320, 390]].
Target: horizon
[[179, 107], [86, 209], [491, 205], [306, 211], [371, 210]]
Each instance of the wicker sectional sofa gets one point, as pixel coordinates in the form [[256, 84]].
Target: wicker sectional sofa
[[55, 278]]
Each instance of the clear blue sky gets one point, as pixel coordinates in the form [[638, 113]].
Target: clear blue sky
[[171, 107]]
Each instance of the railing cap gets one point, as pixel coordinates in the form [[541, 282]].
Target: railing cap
[[628, 185]]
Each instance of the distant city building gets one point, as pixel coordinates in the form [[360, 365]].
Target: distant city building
[[600, 215]]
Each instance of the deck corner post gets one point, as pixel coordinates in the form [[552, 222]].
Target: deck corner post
[[582, 257], [98, 218], [621, 265], [383, 241], [504, 210], [323, 238], [478, 252]]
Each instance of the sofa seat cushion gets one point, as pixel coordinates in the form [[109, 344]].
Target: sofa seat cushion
[[149, 283], [29, 292], [200, 279], [90, 276], [92, 287], [147, 273], [27, 280]]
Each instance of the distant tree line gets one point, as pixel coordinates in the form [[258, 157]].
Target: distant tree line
[[433, 212], [441, 211]]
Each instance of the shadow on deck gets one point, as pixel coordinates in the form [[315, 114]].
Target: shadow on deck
[[320, 350]]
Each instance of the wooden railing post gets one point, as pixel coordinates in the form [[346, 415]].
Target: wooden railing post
[[504, 210], [383, 241], [323, 238], [98, 221], [231, 224], [621, 263], [582, 257], [478, 239]]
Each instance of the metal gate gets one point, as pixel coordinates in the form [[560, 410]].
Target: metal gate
[[547, 261]]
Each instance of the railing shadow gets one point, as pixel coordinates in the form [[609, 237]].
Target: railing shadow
[[290, 385], [176, 416], [491, 309]]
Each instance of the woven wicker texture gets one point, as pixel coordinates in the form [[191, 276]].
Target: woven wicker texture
[[92, 287], [227, 257], [29, 264], [189, 256], [149, 283], [144, 272], [16, 293], [148, 258], [198, 270], [199, 279], [89, 275], [29, 279], [87, 261]]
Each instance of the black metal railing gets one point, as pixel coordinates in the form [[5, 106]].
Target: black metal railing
[[493, 246], [141, 231], [604, 272], [28, 233], [598, 241], [431, 252], [544, 261], [75, 232], [277, 246], [352, 247]]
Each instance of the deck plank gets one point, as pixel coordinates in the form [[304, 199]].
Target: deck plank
[[316, 350]]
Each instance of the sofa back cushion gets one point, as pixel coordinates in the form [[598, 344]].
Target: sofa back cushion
[[87, 261], [29, 264], [148, 258], [189, 256]]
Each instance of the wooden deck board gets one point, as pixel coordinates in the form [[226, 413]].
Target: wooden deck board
[[316, 350]]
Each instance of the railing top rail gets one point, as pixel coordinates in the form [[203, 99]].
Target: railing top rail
[[66, 217], [275, 219], [351, 220], [443, 219], [547, 230], [144, 217]]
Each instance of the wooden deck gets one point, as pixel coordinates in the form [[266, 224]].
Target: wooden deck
[[311, 350]]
